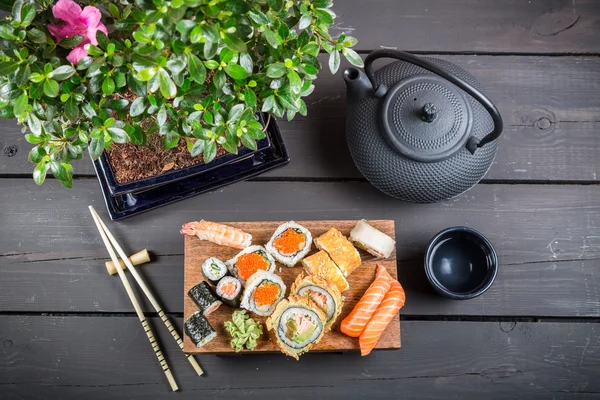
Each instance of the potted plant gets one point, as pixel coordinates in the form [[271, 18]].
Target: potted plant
[[98, 75]]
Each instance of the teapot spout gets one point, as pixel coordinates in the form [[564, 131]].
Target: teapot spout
[[358, 85]]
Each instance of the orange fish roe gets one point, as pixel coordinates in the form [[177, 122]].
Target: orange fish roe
[[248, 264], [289, 241], [266, 293]]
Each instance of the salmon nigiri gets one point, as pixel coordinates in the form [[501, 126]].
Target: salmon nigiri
[[387, 310], [355, 322], [218, 233]]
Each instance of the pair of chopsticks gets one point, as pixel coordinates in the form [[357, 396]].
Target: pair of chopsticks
[[110, 242]]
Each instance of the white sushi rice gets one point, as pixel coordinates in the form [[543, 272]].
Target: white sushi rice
[[290, 260], [250, 249], [251, 285]]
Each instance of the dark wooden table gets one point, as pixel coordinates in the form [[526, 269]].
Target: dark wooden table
[[67, 329]]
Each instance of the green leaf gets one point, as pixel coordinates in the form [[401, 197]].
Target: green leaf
[[58, 170], [170, 140], [283, 31], [117, 104], [39, 173], [36, 36], [324, 17], [136, 135], [68, 179], [210, 48], [20, 105], [256, 133], [8, 67], [146, 74], [334, 61], [302, 107], [211, 64], [273, 38], [197, 148], [258, 17], [226, 55], [197, 34], [287, 101], [210, 151], [175, 66], [185, 26], [208, 117], [234, 43], [276, 5], [114, 11], [235, 112], [51, 88], [16, 10], [219, 79], [236, 71], [161, 117], [109, 122], [69, 43], [248, 142], [108, 86], [196, 69], [72, 109], [33, 139], [88, 111], [246, 62], [349, 41], [167, 86], [310, 69], [61, 73], [305, 21], [250, 98], [353, 57], [268, 104], [311, 49], [118, 135], [276, 70], [295, 81], [34, 123], [96, 147], [137, 107], [27, 14]]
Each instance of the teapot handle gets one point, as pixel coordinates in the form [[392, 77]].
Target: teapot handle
[[473, 143]]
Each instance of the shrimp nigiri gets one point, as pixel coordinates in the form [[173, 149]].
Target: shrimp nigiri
[[218, 233], [355, 322], [389, 307]]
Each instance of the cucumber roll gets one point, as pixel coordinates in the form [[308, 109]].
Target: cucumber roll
[[213, 270], [198, 329], [249, 261], [298, 325], [229, 290], [204, 298], [263, 291], [290, 243]]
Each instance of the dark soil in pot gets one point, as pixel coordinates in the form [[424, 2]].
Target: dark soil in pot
[[131, 163]]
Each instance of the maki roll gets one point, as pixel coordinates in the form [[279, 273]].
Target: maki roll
[[204, 298], [324, 294], [341, 251], [263, 291], [249, 261], [290, 243], [213, 270], [372, 240], [321, 265], [229, 290], [198, 329], [298, 325]]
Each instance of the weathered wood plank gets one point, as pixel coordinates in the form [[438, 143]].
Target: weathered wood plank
[[551, 108], [547, 238], [100, 357], [513, 26]]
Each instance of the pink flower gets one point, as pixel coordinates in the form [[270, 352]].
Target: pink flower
[[76, 22]]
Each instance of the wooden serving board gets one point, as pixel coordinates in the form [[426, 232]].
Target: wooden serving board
[[196, 251]]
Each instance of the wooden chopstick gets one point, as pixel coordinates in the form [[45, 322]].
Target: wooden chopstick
[[134, 302], [148, 294]]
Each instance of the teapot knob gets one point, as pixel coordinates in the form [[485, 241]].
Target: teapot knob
[[429, 112]]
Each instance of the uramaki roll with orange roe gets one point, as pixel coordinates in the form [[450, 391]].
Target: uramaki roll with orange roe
[[264, 290], [250, 260], [290, 243]]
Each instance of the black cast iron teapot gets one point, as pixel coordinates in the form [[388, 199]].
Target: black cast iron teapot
[[419, 129]]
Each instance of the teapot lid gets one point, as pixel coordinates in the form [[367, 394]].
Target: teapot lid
[[426, 118]]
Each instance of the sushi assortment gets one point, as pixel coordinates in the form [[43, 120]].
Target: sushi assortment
[[250, 281]]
